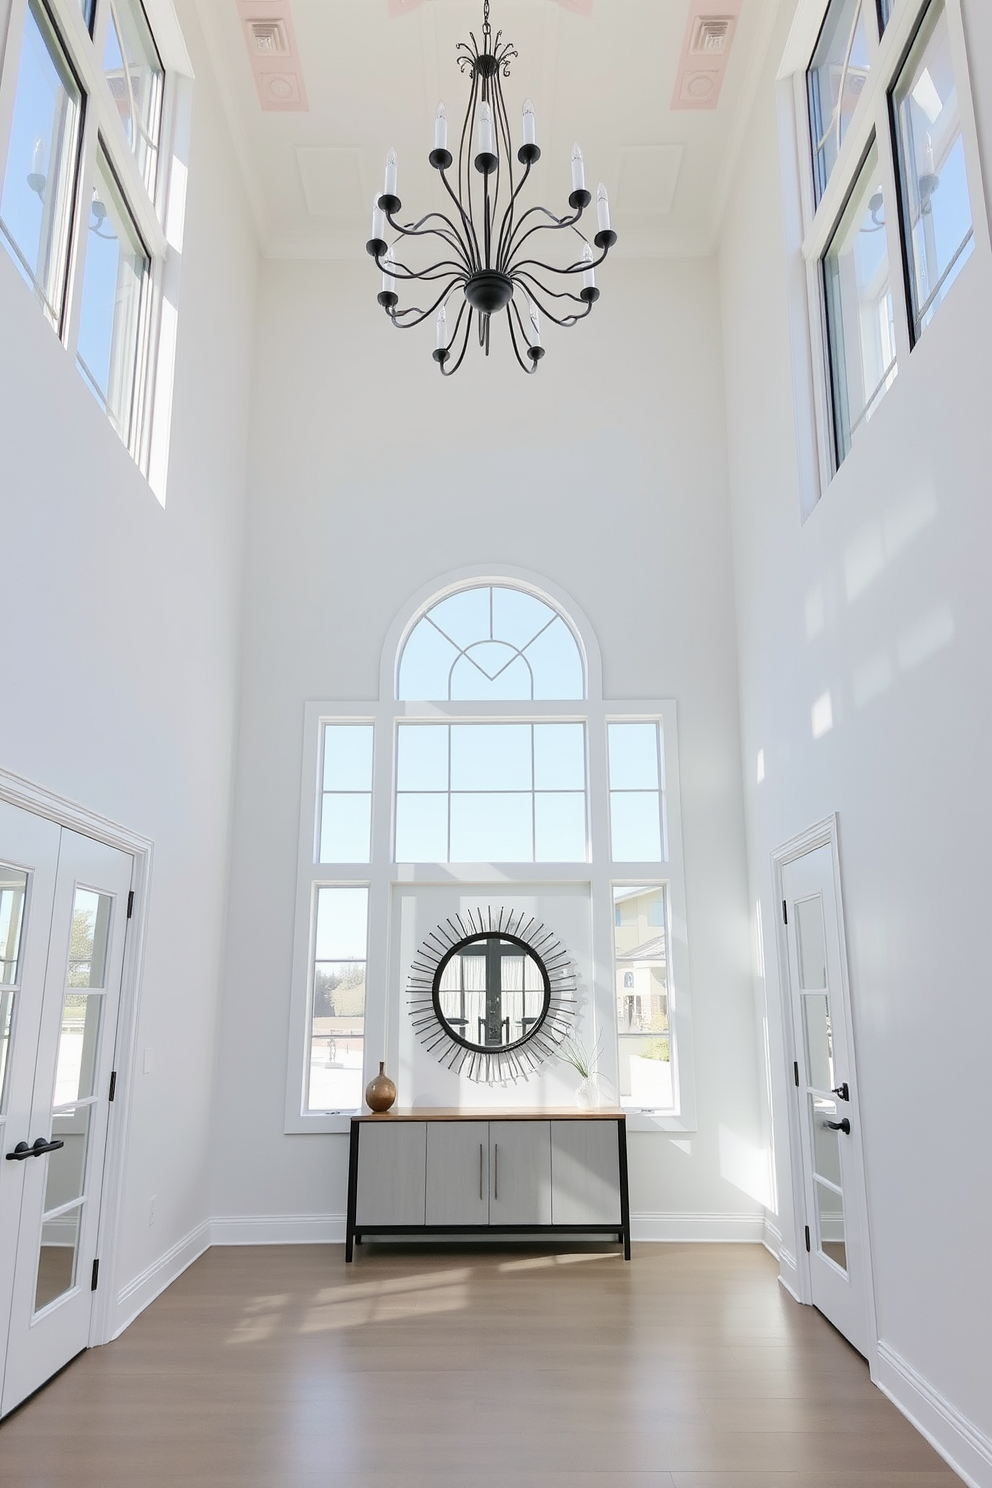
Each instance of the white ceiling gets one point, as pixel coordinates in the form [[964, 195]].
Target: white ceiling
[[374, 79]]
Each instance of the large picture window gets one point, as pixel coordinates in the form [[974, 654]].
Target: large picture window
[[491, 759]]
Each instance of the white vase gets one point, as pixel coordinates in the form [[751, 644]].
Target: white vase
[[587, 1097]]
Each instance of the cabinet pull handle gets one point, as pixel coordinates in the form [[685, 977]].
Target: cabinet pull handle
[[495, 1170], [480, 1171]]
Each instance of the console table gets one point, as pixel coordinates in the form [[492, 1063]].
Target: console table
[[466, 1172]]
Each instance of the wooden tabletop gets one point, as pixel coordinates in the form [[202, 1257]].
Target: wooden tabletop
[[470, 1113]]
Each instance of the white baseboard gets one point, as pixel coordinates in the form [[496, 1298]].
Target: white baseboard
[[145, 1287], [966, 1449], [278, 1229], [772, 1237], [695, 1228]]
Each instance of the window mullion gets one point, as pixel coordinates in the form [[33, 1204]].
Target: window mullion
[[898, 269], [80, 236], [10, 50]]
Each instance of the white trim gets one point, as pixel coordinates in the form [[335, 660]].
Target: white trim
[[699, 1229], [278, 1229], [65, 813], [959, 1441], [140, 1292], [772, 1237]]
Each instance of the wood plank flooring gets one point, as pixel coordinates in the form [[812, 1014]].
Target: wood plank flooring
[[445, 1367]]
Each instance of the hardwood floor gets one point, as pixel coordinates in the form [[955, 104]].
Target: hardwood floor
[[280, 1367]]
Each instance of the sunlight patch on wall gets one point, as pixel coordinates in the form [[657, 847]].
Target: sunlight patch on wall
[[822, 716], [745, 1166]]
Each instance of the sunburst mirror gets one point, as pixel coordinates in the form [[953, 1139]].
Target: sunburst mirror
[[492, 993]]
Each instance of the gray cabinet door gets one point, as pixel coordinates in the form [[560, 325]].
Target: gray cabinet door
[[392, 1173], [585, 1172], [520, 1172], [457, 1172]]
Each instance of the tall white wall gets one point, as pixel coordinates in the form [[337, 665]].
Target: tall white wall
[[120, 666], [369, 477], [882, 599]]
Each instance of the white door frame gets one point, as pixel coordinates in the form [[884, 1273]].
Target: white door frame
[[822, 834], [41, 802]]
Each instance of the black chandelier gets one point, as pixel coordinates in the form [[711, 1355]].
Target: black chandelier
[[487, 238]]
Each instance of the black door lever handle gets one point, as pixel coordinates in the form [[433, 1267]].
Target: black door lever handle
[[842, 1091], [844, 1126], [40, 1146]]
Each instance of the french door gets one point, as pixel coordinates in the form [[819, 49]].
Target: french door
[[63, 920], [835, 1229]]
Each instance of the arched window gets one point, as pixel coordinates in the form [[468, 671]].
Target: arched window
[[491, 643], [489, 779]]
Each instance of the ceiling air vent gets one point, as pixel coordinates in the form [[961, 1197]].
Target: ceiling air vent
[[269, 39], [711, 35]]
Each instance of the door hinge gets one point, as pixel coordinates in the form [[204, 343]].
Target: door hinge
[[96, 1273], [795, 1066], [113, 1085], [130, 903], [807, 1239], [785, 913]]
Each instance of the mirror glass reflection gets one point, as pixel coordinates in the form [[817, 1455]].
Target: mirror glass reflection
[[492, 992]]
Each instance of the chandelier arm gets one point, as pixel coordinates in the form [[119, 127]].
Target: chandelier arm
[[513, 340], [416, 231], [398, 316], [507, 227], [407, 275], [579, 267], [465, 162], [471, 241], [535, 285], [551, 226], [447, 371]]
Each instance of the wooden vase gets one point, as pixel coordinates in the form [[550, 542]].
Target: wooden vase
[[380, 1092]]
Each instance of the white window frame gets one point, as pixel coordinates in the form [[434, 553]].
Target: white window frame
[[810, 226], [158, 218], [385, 1004]]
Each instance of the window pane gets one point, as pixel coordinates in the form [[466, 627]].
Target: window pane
[[13, 889], [110, 314], [348, 757], [65, 1176], [492, 642], [836, 78], [885, 8], [635, 826], [559, 756], [57, 1257], [79, 1044], [560, 827], [936, 211], [337, 1030], [36, 206], [633, 756], [421, 828], [491, 756], [134, 72], [88, 942], [556, 663], [345, 828], [422, 757], [642, 997], [860, 323], [495, 828]]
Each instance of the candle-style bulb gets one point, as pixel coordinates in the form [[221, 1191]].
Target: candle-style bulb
[[603, 208], [442, 329], [588, 274], [378, 220], [535, 320], [529, 123], [487, 141], [389, 189], [38, 161], [578, 170], [388, 264], [441, 128]]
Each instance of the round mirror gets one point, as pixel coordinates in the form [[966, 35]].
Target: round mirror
[[491, 992]]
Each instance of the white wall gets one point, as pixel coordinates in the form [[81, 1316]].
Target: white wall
[[882, 599], [371, 476], [121, 659]]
